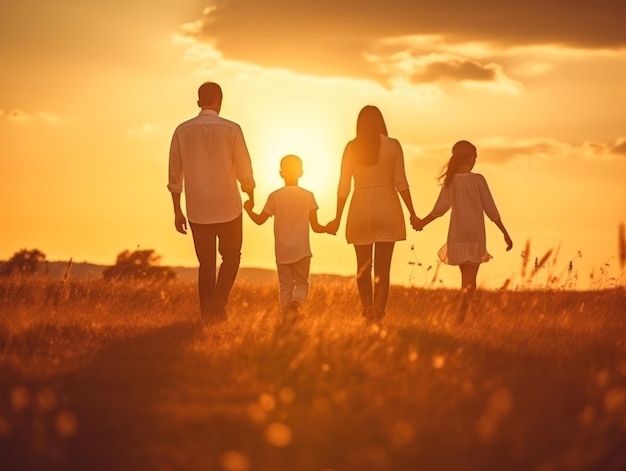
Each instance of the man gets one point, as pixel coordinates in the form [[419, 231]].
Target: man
[[209, 155]]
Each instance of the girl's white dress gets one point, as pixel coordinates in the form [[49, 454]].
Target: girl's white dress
[[375, 213], [468, 196]]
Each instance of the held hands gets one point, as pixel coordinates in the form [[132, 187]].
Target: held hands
[[417, 223], [332, 227], [248, 205], [251, 198]]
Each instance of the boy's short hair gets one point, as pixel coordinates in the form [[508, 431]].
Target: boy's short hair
[[291, 165]]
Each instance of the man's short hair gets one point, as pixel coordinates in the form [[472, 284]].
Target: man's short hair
[[209, 93]]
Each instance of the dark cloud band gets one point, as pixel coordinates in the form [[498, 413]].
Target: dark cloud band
[[333, 38]]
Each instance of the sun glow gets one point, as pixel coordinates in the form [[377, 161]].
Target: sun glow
[[320, 159]]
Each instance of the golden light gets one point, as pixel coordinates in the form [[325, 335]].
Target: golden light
[[321, 158]]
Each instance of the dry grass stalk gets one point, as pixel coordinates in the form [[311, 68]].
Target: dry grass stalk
[[435, 274], [539, 264], [66, 273], [556, 256], [622, 246], [525, 258]]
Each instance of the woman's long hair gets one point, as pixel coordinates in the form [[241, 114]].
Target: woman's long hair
[[462, 152], [369, 126]]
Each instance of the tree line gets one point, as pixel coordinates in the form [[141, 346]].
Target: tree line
[[139, 264]]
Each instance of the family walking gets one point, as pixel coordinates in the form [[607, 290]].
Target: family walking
[[208, 157]]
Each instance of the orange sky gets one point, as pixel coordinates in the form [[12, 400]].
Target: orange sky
[[90, 93]]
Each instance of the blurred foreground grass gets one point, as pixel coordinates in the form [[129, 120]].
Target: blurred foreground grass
[[116, 376]]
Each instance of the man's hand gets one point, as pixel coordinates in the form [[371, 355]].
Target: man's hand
[[180, 222]]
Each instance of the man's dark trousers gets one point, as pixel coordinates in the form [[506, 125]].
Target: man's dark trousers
[[214, 292]]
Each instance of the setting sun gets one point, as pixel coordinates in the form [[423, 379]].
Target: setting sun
[[310, 142]]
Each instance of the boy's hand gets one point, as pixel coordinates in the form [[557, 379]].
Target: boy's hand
[[332, 227]]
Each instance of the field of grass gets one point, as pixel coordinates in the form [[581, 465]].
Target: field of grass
[[97, 375]]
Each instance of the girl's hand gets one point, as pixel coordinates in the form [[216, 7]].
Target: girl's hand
[[509, 242]]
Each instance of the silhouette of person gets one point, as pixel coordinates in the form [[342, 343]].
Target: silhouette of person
[[208, 154], [294, 210], [375, 218], [468, 195]]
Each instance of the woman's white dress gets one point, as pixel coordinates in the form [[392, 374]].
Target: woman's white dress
[[375, 213], [469, 197]]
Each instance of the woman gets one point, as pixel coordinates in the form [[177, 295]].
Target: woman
[[469, 197], [375, 219]]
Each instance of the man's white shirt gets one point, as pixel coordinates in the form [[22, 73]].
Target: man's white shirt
[[208, 155]]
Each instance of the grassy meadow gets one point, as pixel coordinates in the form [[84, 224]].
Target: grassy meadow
[[98, 375]]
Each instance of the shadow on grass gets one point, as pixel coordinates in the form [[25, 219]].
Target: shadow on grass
[[153, 402], [114, 418]]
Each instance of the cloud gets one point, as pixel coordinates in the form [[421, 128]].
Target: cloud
[[50, 117], [142, 130], [455, 70], [20, 116], [619, 147], [498, 150], [364, 38], [419, 68]]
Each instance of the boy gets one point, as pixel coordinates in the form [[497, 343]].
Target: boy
[[294, 209]]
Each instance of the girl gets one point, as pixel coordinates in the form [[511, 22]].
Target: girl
[[468, 195]]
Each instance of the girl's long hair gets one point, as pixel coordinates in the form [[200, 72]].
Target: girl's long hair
[[462, 151], [369, 126]]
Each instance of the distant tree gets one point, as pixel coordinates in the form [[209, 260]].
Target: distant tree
[[23, 262], [139, 265]]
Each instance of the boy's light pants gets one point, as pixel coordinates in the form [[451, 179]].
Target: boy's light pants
[[293, 279]]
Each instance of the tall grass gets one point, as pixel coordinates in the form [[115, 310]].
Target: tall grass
[[102, 375]]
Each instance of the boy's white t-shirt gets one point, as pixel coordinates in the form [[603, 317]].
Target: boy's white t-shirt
[[291, 207]]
